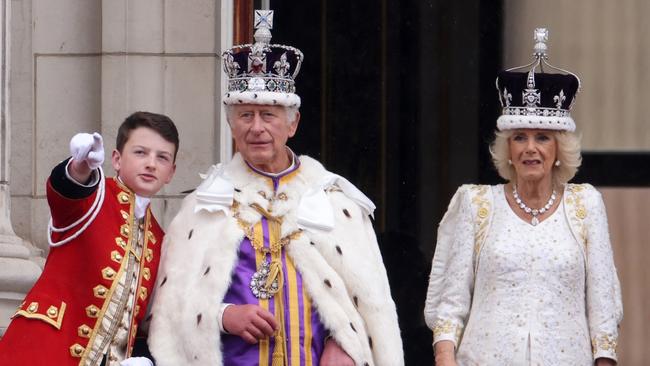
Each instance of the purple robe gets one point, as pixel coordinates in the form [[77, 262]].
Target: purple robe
[[304, 331]]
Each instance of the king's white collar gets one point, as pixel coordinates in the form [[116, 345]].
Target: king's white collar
[[314, 212]]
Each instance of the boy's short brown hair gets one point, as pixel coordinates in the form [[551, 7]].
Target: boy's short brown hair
[[160, 123]]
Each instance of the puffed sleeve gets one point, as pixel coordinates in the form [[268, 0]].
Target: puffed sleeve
[[604, 304], [452, 273]]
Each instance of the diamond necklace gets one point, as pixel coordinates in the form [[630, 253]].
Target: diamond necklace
[[533, 211]]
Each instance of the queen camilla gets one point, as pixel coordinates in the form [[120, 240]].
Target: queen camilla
[[523, 272]]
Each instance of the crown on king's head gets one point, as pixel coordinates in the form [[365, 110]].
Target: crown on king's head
[[262, 73], [537, 100]]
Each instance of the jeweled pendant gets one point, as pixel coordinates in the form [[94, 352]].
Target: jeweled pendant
[[534, 221], [258, 279]]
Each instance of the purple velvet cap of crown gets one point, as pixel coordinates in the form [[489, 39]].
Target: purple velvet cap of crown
[[541, 102]]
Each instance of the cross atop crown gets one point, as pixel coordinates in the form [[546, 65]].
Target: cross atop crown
[[264, 19], [541, 37], [263, 26]]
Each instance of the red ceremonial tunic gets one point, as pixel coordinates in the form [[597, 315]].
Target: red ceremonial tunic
[[62, 313]]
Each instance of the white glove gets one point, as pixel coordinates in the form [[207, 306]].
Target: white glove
[[84, 146], [136, 361]]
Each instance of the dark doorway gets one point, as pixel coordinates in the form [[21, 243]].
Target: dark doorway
[[399, 98]]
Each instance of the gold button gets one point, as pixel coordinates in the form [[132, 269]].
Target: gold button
[[125, 215], [108, 273], [124, 230], [137, 309], [482, 212], [146, 273], [116, 256], [121, 242], [100, 291], [151, 237], [83, 331], [33, 307], [149, 255], [52, 311], [581, 213], [143, 293], [123, 197], [92, 311], [76, 350]]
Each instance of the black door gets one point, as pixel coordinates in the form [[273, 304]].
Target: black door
[[399, 98]]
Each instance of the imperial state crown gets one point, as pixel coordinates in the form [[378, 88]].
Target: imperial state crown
[[262, 73]]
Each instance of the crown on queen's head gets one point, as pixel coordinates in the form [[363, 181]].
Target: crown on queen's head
[[262, 73], [537, 100]]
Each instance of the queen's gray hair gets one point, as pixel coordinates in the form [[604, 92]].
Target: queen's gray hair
[[292, 113], [568, 153]]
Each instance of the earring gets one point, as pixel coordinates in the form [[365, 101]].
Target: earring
[[557, 163], [509, 162]]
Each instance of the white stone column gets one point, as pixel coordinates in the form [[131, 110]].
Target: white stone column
[[163, 56], [17, 272], [226, 41]]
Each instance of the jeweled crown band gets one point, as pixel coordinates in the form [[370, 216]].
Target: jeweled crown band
[[539, 111], [259, 84]]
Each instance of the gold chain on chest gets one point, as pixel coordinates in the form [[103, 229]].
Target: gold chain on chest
[[276, 240], [269, 277]]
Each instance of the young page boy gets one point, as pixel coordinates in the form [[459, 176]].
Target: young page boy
[[104, 251]]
